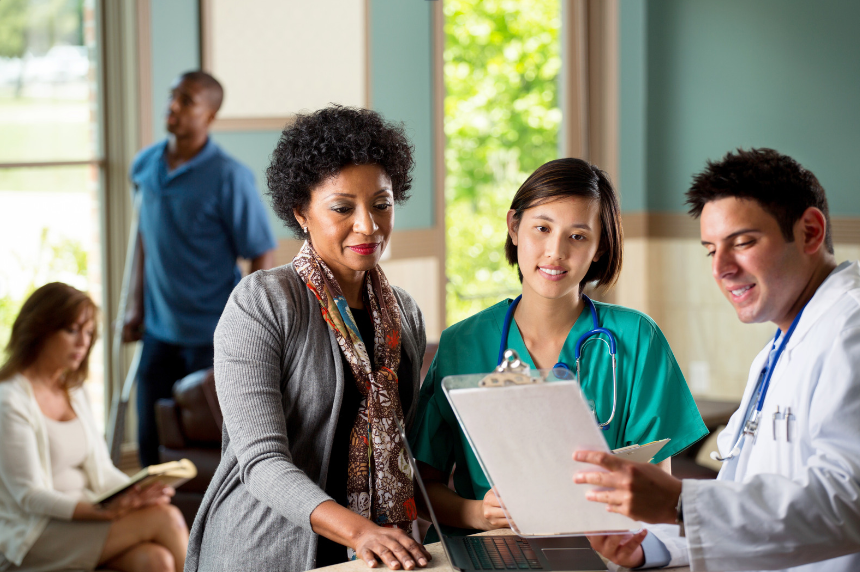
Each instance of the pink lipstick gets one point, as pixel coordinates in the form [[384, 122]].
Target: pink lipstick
[[365, 249]]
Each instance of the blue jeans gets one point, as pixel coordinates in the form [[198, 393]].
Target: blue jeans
[[161, 365]]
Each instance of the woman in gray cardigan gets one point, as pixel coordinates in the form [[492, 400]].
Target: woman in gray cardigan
[[313, 362]]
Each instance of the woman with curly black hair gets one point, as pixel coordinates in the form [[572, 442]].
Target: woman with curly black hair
[[314, 361]]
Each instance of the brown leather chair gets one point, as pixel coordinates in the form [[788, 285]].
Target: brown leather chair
[[189, 427]]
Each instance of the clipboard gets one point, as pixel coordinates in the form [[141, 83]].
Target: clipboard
[[524, 426]]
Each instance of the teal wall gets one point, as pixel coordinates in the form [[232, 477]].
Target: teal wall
[[719, 75], [632, 100], [401, 89], [175, 41]]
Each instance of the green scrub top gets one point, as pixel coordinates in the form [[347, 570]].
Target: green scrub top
[[654, 401]]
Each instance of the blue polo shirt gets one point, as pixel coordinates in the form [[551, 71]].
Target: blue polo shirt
[[195, 222]]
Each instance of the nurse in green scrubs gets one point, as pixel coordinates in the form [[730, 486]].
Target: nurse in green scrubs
[[564, 231]]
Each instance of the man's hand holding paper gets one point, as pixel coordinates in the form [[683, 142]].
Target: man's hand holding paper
[[641, 491]]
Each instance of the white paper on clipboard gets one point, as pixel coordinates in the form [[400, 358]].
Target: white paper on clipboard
[[640, 453], [524, 437]]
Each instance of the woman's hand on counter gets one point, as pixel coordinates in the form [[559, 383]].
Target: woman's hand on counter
[[372, 543]]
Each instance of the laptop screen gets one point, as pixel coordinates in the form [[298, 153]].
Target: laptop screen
[[417, 477]]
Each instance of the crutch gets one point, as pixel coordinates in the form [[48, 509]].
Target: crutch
[[119, 405]]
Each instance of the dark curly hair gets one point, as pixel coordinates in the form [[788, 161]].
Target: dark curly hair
[[318, 145], [782, 187]]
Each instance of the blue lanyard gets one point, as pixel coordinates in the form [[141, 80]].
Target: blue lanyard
[[750, 426], [770, 365]]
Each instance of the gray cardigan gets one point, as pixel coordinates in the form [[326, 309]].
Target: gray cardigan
[[279, 377]]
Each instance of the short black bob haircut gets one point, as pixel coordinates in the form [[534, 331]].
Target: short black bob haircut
[[778, 183], [570, 177], [319, 145]]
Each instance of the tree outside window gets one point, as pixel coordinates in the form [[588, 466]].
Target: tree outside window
[[502, 118], [49, 157]]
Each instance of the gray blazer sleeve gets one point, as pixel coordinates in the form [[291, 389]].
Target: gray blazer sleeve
[[251, 348]]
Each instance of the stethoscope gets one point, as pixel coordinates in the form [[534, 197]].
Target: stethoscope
[[561, 369], [754, 416]]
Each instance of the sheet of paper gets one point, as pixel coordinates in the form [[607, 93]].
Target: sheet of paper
[[525, 436], [641, 454]]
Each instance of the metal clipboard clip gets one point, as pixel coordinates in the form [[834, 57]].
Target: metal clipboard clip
[[511, 371]]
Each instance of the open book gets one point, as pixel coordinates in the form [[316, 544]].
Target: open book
[[170, 474]]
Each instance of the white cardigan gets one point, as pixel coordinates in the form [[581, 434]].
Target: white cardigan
[[27, 496]]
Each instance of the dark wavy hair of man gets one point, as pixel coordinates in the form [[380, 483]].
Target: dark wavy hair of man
[[781, 185]]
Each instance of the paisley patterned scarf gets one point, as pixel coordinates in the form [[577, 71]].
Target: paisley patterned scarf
[[379, 485]]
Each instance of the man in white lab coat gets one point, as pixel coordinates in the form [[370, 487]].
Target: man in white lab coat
[[788, 496]]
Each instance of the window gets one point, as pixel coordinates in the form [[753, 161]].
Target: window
[[50, 167], [502, 119]]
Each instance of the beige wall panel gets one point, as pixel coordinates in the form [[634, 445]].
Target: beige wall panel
[[420, 278], [682, 267], [845, 252], [631, 290], [283, 56], [670, 280], [713, 348]]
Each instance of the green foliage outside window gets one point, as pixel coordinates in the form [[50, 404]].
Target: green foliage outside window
[[31, 27], [502, 119], [58, 259], [41, 119], [13, 32], [36, 25]]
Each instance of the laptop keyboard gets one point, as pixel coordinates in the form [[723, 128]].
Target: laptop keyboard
[[501, 553]]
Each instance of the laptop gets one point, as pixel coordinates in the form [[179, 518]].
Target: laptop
[[509, 552]]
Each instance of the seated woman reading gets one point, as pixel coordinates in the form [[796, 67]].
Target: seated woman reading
[[54, 460], [564, 231]]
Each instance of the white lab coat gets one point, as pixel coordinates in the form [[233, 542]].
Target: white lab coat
[[789, 505]]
